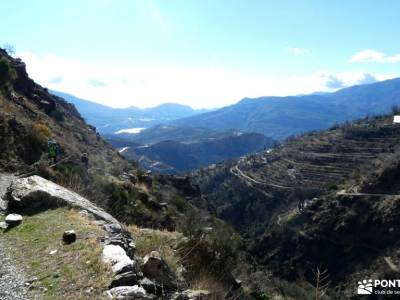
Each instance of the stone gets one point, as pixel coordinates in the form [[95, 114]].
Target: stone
[[151, 287], [117, 257], [179, 296], [155, 268], [124, 279], [3, 225], [13, 219], [34, 194], [198, 294], [69, 236], [129, 292], [123, 266]]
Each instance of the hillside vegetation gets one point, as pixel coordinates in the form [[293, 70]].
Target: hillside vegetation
[[346, 179]]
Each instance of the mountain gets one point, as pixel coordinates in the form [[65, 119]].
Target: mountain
[[173, 156], [109, 120], [281, 117], [73, 208], [326, 201]]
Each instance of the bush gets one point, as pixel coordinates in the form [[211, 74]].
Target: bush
[[7, 72], [40, 132]]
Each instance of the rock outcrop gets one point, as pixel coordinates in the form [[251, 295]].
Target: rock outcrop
[[33, 194]]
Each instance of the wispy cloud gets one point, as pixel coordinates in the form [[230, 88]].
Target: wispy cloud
[[371, 55], [296, 50], [156, 13]]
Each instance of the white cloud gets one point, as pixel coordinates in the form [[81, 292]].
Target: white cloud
[[126, 85], [371, 55], [296, 50]]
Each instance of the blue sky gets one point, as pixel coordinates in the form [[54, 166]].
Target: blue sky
[[204, 53]]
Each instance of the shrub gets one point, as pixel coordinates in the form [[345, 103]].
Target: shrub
[[259, 296], [40, 132], [7, 72]]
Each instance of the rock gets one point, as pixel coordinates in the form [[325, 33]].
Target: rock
[[179, 296], [151, 287], [117, 257], [129, 292], [155, 268], [198, 294], [124, 279], [113, 228], [123, 266], [34, 194], [3, 225], [122, 240], [3, 204], [69, 236], [13, 219]]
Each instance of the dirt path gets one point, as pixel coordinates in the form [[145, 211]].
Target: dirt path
[[12, 279], [239, 173]]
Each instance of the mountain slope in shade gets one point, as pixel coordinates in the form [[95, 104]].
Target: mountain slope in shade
[[280, 117], [182, 157], [109, 120]]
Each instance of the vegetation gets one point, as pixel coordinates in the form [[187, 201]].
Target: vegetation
[[7, 72], [72, 271]]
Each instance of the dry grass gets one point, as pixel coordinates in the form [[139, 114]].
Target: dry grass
[[165, 242], [73, 269]]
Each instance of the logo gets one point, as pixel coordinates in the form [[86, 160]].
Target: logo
[[365, 287]]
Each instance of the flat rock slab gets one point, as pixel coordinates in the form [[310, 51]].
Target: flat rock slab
[[34, 194]]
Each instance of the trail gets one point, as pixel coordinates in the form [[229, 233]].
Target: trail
[[239, 173], [12, 278]]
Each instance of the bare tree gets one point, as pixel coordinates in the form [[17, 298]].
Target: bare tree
[[321, 284]]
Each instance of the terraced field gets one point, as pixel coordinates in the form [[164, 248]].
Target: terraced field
[[318, 161]]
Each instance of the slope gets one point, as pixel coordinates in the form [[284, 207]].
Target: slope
[[346, 178]]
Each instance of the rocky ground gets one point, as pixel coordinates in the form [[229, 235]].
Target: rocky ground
[[12, 279]]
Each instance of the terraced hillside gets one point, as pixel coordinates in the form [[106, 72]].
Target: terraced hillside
[[318, 161], [347, 180]]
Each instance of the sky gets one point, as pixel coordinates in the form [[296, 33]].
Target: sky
[[203, 53]]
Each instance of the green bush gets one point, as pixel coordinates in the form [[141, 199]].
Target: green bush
[[259, 296]]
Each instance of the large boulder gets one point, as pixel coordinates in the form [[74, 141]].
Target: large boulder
[[155, 268], [34, 194]]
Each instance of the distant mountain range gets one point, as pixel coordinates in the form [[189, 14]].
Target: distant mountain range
[[109, 120], [280, 117]]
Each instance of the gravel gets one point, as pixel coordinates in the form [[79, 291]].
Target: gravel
[[12, 279]]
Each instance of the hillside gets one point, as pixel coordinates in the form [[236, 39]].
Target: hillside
[[345, 178], [281, 117], [183, 157], [29, 116], [109, 120]]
